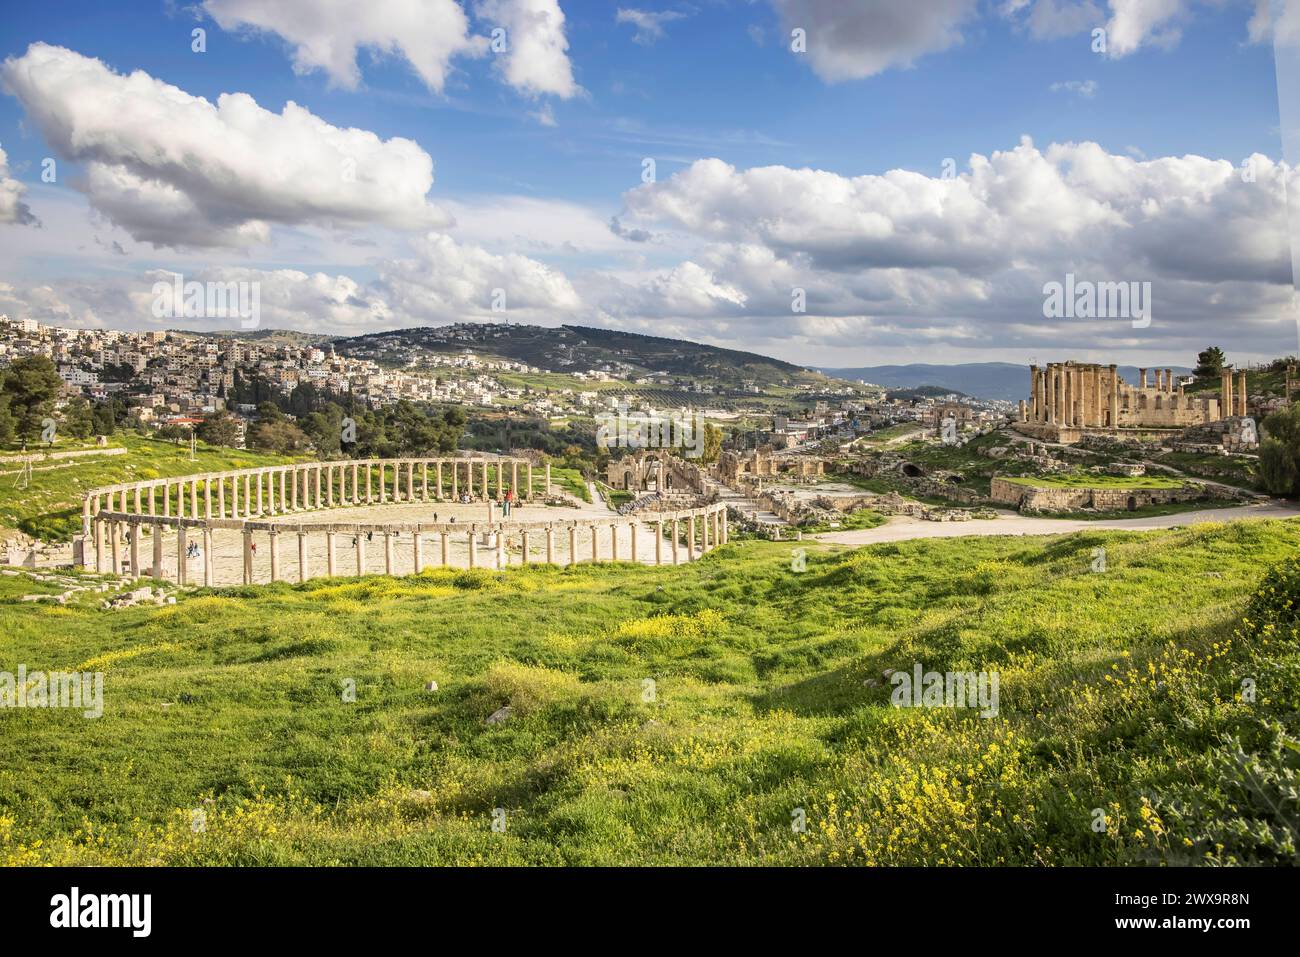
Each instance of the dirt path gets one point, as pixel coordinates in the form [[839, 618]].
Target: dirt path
[[900, 528]]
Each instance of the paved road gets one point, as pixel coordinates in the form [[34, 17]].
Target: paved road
[[900, 527]]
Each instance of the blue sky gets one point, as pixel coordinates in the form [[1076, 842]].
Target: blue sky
[[537, 172]]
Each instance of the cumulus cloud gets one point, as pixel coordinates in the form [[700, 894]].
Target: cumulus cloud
[[849, 41], [328, 34], [12, 207], [176, 170], [901, 257], [442, 282], [1130, 24], [1019, 203], [536, 60]]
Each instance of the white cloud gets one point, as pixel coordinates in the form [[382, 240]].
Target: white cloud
[[1019, 204], [536, 60], [176, 170], [328, 34], [849, 41], [1084, 88], [1137, 23], [648, 24], [12, 207]]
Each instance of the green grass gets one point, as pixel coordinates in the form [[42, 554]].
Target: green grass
[[50, 508], [853, 521], [571, 481], [1120, 695]]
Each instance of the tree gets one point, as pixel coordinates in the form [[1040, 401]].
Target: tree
[[8, 426], [1209, 364], [712, 444], [78, 418], [219, 428], [277, 435], [1279, 452], [32, 384]]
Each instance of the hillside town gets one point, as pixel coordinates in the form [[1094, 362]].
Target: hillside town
[[177, 378]]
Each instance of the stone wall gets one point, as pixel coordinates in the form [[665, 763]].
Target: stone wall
[[1028, 498]]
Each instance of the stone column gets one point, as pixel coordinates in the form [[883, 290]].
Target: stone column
[[659, 543], [330, 556], [1240, 393], [528, 493], [182, 573], [388, 535], [573, 544], [209, 566], [1169, 380], [356, 488], [302, 556], [690, 537], [115, 546], [473, 548], [514, 480], [157, 552], [595, 545], [138, 509], [633, 527], [1033, 393], [221, 498], [1142, 378], [455, 481], [1225, 393], [417, 550], [675, 529], [167, 499], [152, 489], [726, 532], [502, 561], [274, 546], [1050, 389], [369, 495], [550, 545], [361, 552], [424, 481], [135, 549], [1114, 396], [613, 542], [523, 546], [1159, 384], [248, 556], [446, 550], [260, 509], [194, 498], [437, 479], [329, 486]]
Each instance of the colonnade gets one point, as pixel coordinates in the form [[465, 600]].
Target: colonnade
[[677, 536], [280, 489]]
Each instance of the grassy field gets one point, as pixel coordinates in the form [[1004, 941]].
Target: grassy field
[[50, 508], [693, 714]]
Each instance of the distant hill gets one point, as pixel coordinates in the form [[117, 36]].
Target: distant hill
[[1008, 381], [581, 348]]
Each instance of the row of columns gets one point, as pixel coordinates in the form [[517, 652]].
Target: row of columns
[[1074, 395], [291, 488], [1232, 395], [708, 528]]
